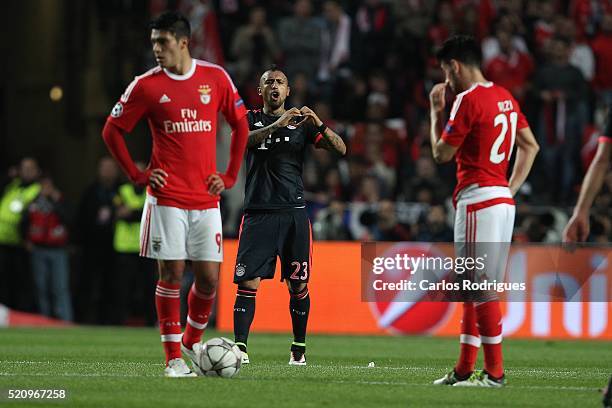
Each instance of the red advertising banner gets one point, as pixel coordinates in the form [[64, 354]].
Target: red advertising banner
[[336, 289]]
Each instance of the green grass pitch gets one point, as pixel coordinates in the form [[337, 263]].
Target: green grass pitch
[[116, 367]]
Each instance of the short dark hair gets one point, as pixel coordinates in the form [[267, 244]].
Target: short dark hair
[[273, 68], [173, 22], [462, 48]]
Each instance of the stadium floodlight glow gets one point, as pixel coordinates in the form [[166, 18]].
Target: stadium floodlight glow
[[56, 93]]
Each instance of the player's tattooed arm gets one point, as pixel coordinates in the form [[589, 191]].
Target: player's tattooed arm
[[292, 116], [330, 140]]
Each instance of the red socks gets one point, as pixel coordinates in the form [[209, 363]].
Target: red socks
[[490, 327], [484, 319], [470, 341], [197, 317], [168, 305]]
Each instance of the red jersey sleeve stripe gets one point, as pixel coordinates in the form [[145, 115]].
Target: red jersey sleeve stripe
[[604, 139], [126, 95]]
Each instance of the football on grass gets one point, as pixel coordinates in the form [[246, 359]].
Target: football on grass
[[220, 357]]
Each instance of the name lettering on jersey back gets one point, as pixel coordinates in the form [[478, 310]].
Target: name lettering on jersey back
[[190, 123], [505, 106]]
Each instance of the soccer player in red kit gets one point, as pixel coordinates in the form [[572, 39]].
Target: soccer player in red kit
[[484, 125], [180, 99], [577, 229]]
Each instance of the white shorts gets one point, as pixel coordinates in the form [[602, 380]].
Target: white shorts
[[171, 233], [484, 214]]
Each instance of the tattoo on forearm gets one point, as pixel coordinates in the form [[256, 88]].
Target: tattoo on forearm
[[259, 135], [332, 142]]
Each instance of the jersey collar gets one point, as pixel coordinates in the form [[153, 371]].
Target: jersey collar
[[185, 76]]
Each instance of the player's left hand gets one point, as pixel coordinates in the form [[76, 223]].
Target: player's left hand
[[215, 184], [437, 97], [577, 229], [311, 116]]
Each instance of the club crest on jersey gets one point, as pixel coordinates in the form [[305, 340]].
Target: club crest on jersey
[[205, 91]]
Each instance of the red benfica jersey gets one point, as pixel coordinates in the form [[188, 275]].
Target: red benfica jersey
[[182, 113], [483, 124]]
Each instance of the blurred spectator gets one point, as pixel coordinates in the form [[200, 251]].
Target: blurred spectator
[[426, 177], [335, 40], [581, 55], [387, 226], [476, 16], [511, 25], [374, 32], [601, 230], [301, 92], [544, 28], [95, 221], [442, 26], [588, 14], [21, 189], [332, 222], [378, 168], [254, 47], [135, 274], [379, 134], [412, 18], [300, 39], [511, 67], [559, 89], [602, 48], [434, 227], [45, 232]]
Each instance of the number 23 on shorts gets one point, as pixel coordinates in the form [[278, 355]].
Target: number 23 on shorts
[[297, 268]]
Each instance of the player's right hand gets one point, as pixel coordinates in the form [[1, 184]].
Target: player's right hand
[[291, 117], [157, 178], [577, 229], [437, 97]]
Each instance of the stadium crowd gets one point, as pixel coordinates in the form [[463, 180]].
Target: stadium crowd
[[366, 68]]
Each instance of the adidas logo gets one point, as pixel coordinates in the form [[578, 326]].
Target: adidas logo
[[259, 124], [164, 99]]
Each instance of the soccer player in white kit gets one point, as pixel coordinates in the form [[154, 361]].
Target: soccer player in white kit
[[180, 99], [485, 123]]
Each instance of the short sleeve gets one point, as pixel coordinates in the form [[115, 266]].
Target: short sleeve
[[130, 108], [459, 123], [232, 105]]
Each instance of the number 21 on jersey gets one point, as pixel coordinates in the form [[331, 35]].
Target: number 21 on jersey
[[497, 156]]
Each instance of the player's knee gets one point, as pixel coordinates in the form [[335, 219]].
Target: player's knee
[[250, 284], [297, 289], [207, 285], [171, 272]]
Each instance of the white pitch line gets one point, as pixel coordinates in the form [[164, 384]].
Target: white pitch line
[[334, 366], [396, 383], [521, 370], [518, 370], [75, 375]]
